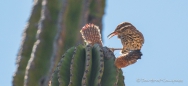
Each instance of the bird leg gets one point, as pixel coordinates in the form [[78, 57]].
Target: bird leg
[[113, 49]]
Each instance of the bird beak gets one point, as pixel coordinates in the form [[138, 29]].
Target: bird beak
[[112, 34]]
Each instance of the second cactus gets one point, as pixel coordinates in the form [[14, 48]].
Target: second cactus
[[87, 65]]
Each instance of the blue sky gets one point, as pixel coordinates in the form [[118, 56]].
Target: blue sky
[[162, 22]]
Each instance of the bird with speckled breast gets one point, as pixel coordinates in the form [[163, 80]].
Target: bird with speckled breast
[[130, 37]]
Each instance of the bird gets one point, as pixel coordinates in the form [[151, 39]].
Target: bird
[[130, 37]]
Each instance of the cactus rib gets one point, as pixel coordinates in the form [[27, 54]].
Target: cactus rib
[[111, 72], [121, 79], [64, 66], [54, 79], [98, 65], [88, 65], [77, 66]]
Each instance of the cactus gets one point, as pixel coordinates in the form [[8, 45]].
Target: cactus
[[49, 34], [87, 65]]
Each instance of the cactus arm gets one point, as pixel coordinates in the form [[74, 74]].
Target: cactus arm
[[28, 40], [121, 79], [77, 66], [88, 65], [64, 67], [111, 72], [98, 65], [39, 64]]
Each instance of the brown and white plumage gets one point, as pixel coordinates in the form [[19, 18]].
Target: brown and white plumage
[[127, 59], [130, 37], [132, 41]]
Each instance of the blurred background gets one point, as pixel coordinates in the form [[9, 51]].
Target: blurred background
[[163, 24]]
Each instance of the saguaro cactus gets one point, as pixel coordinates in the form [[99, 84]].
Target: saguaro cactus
[[49, 34]]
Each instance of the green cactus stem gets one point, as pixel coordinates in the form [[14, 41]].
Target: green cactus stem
[[87, 65], [98, 65], [77, 66], [64, 67], [54, 81], [111, 73], [120, 79], [28, 40], [39, 65]]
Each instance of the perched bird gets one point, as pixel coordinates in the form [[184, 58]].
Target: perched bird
[[130, 37], [132, 41]]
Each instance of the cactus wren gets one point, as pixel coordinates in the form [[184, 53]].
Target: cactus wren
[[130, 37]]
